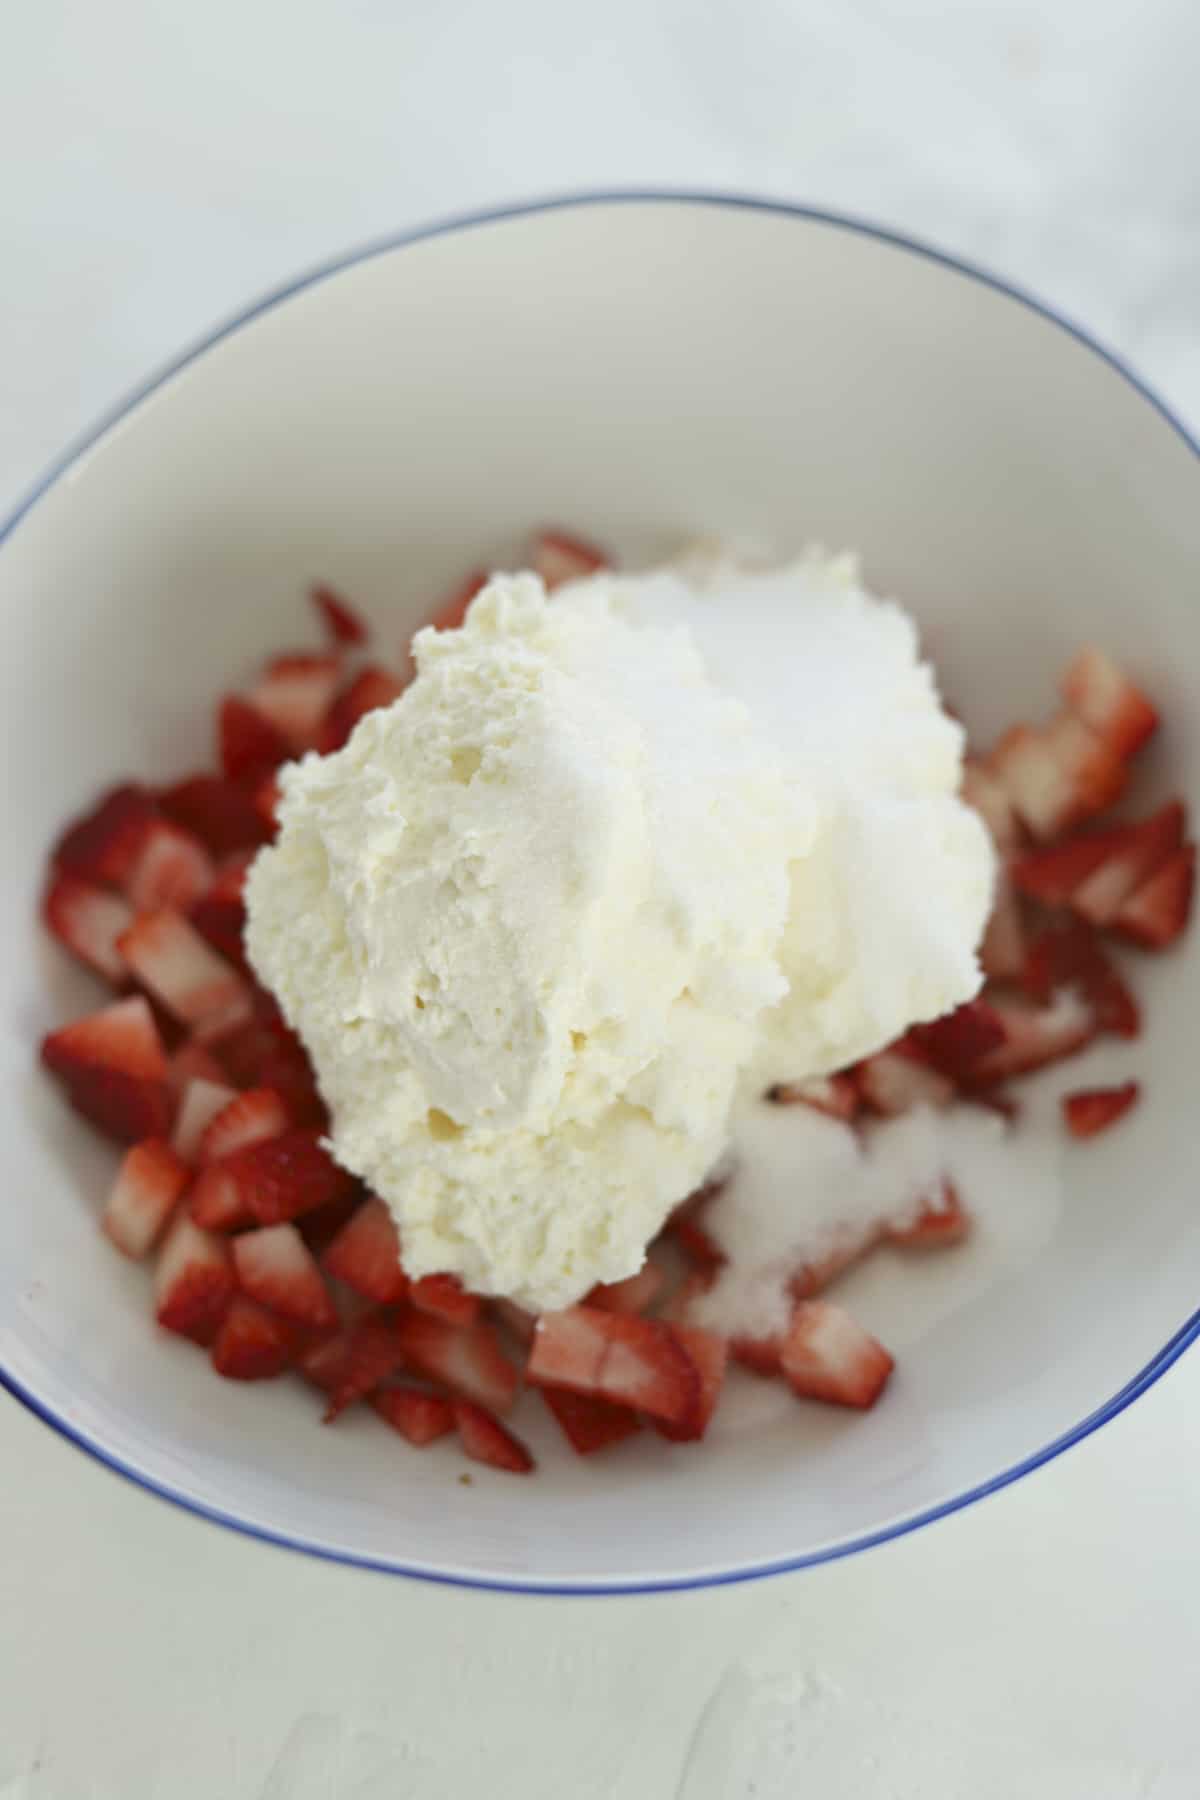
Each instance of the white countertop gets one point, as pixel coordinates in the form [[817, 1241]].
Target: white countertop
[[162, 165]]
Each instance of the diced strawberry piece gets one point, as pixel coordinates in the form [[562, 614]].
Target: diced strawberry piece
[[295, 694], [170, 957], [470, 1361], [193, 1281], [252, 1344], [267, 796], [325, 1361], [1099, 692], [828, 1356], [222, 925], [366, 1355], [288, 1070], [710, 1355], [229, 879], [421, 1418], [245, 1119], [989, 798], [955, 1042], [677, 1310], [249, 745], [88, 920], [172, 868], [589, 1423], [445, 1296], [218, 1200], [147, 1189], [636, 1294], [1092, 1110], [700, 1248], [815, 1276], [1069, 955], [940, 1221], [1158, 912], [202, 1101], [285, 1176], [835, 1095], [1059, 776], [1052, 873], [639, 1362], [338, 616], [1035, 1035], [558, 557], [365, 1254], [1142, 849], [453, 609], [1002, 953], [761, 1355], [262, 1052], [275, 1267], [115, 1070], [103, 845], [193, 1062], [219, 812], [319, 1227], [896, 1080], [370, 689], [516, 1320], [485, 1440]]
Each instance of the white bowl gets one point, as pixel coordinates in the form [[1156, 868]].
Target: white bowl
[[642, 368]]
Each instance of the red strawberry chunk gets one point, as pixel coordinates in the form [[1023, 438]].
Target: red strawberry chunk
[[589, 1423], [319, 1227], [285, 1176], [1035, 1035], [989, 798], [485, 1440], [636, 1294], [1070, 955], [218, 1200], [519, 1323], [1059, 776], [338, 616], [202, 1102], [275, 1267], [710, 1354], [115, 1070], [172, 868], [249, 745], [219, 812], [558, 557], [251, 1343], [471, 1361], [638, 1362], [700, 1248], [193, 1062], [1142, 850], [88, 920], [370, 1351], [895, 1081], [104, 844], [365, 1254], [170, 957], [835, 1095], [421, 1418], [445, 1296], [1092, 1110], [147, 1189], [371, 688], [267, 796], [193, 1281], [1158, 911], [940, 1221], [1002, 953], [453, 609], [295, 694], [677, 1309], [827, 1355], [1053, 873], [245, 1119], [222, 925], [761, 1355], [229, 881], [956, 1042], [1097, 689]]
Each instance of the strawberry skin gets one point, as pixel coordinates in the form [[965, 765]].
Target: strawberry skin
[[88, 920], [219, 812], [193, 1281], [1097, 689], [104, 844], [589, 1423], [245, 1119], [149, 1183], [1159, 911], [285, 1176], [371, 688], [365, 1254], [421, 1418], [710, 1355], [275, 1267], [445, 1296], [1058, 776], [453, 609], [558, 557], [636, 1294], [202, 1101], [1092, 1110], [114, 1068], [338, 616], [249, 745], [636, 1362], [251, 1343], [470, 1362], [826, 1355], [485, 1440]]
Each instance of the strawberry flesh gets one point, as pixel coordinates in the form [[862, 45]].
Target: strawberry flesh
[[275, 1267], [338, 616], [365, 1254], [252, 1344], [588, 1422], [637, 1362], [1092, 1110], [221, 813], [193, 1281], [103, 845], [88, 920], [149, 1183], [470, 1362], [826, 1355], [485, 1440], [114, 1068], [421, 1418]]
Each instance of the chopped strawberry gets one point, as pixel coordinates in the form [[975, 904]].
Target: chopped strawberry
[[319, 1227], [1035, 1035], [589, 1423], [251, 1343], [989, 798], [147, 1189], [275, 1267], [365, 1254], [701, 1249], [1158, 911], [940, 1221], [761, 1355], [295, 694], [639, 1362], [828, 1356], [421, 1418], [898, 1079], [1002, 953], [172, 868], [245, 1119], [218, 1200], [710, 1355], [1052, 873], [249, 745], [1093, 1110], [1069, 955], [353, 1364], [453, 609], [1059, 776], [103, 845], [88, 920], [956, 1042], [371, 688], [193, 1062], [222, 924], [338, 616], [267, 795], [283, 1177], [1142, 850], [835, 1095], [815, 1276], [446, 1298], [115, 1070], [677, 1309], [636, 1294], [471, 1361], [485, 1440], [170, 957], [219, 812], [193, 1281], [558, 557], [1099, 692], [202, 1101], [516, 1320], [229, 879]]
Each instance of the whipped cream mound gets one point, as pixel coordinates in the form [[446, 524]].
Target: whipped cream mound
[[608, 861]]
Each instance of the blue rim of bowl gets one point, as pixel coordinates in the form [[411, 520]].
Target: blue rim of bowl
[[597, 1586]]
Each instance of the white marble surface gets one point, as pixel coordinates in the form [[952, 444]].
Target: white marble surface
[[162, 164]]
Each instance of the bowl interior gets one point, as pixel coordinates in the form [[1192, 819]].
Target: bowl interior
[[643, 372]]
